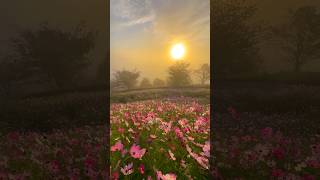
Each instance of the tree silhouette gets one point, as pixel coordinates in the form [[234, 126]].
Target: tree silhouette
[[203, 73], [10, 73], [179, 75], [126, 79], [61, 55], [145, 83], [159, 82], [300, 36], [234, 37], [102, 71]]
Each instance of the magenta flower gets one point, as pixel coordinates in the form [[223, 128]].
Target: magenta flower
[[137, 152], [121, 130], [266, 132], [115, 176], [206, 149], [278, 173], [117, 147], [169, 176], [178, 132], [54, 166], [278, 153], [141, 168]]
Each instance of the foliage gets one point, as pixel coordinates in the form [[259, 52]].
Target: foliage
[[158, 82], [58, 54], [235, 37], [179, 75], [145, 83], [126, 79], [203, 73], [300, 36]]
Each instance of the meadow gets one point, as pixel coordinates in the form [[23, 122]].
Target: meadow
[[160, 139], [58, 136], [63, 136], [266, 131]]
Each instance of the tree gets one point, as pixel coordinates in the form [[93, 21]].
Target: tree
[[179, 75], [300, 36], [102, 72], [203, 73], [61, 55], [234, 37], [145, 83], [158, 82], [126, 79], [10, 73]]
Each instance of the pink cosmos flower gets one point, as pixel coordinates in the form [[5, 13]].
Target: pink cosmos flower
[[141, 168], [178, 132], [127, 169], [121, 130], [115, 176], [266, 132], [117, 147], [13, 136], [206, 149], [169, 176], [123, 152], [137, 152], [54, 166], [89, 162], [278, 153], [278, 173], [308, 177]]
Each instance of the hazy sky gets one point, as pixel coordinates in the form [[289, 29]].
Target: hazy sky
[[143, 31]]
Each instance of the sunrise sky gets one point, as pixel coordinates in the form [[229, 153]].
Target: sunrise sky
[[144, 31]]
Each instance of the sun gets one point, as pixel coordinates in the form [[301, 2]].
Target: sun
[[178, 51]]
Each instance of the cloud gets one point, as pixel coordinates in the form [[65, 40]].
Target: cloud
[[126, 13], [167, 17], [184, 18]]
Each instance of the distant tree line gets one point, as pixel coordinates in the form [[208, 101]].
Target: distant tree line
[[235, 37], [179, 75]]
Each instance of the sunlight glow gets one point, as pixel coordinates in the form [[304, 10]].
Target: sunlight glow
[[177, 51]]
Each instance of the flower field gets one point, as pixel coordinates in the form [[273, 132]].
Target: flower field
[[74, 154], [160, 139], [242, 150]]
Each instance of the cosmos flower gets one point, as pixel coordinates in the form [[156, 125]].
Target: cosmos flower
[[169, 176], [137, 152], [127, 169], [117, 147], [141, 168]]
